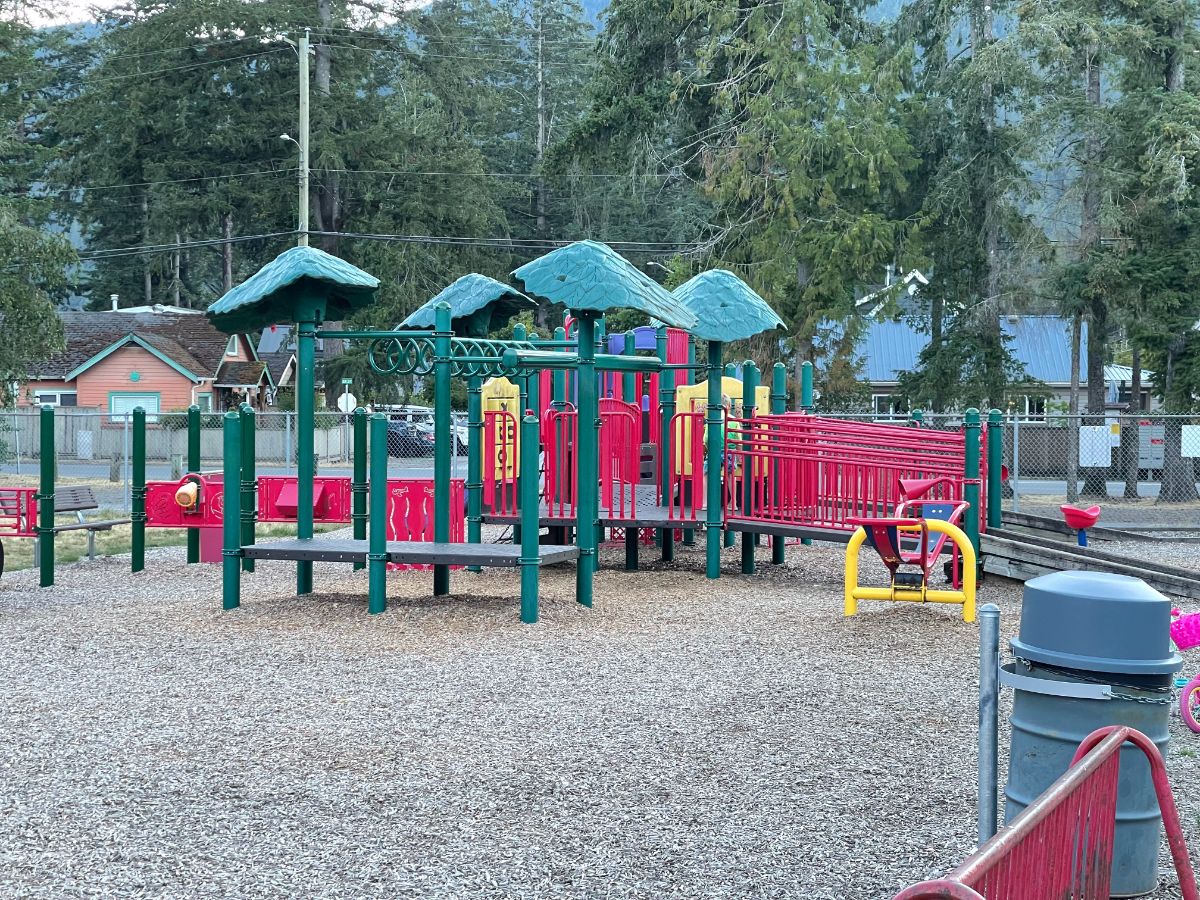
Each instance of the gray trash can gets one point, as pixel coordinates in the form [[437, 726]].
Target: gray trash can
[[1093, 650]]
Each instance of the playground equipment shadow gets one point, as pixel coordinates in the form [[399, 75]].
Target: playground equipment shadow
[[683, 738]]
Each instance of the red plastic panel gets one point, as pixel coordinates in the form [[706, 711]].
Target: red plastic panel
[[18, 512], [163, 512], [410, 513]]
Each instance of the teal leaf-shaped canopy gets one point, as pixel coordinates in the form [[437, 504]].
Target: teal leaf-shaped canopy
[[300, 276], [477, 305], [588, 275], [726, 307]]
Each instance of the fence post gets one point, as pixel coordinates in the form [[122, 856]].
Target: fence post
[[989, 695], [530, 558], [1014, 477], [749, 461], [778, 408], [137, 516], [377, 551], [806, 386], [358, 484], [45, 498], [971, 489], [995, 485], [666, 399], [713, 512], [442, 434], [193, 466], [287, 439], [231, 568], [249, 484]]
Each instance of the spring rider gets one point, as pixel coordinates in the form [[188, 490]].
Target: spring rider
[[912, 539]]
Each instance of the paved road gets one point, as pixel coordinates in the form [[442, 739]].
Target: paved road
[[1040, 487]]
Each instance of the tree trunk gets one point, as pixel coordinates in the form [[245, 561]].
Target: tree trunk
[[227, 253], [147, 274], [989, 289], [176, 266], [1073, 412], [543, 310], [937, 309], [329, 197], [1178, 483], [1130, 429], [1089, 239]]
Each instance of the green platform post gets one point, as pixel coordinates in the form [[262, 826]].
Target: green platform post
[[995, 449], [249, 505], [306, 346], [377, 547], [231, 551], [689, 534], [137, 492], [713, 511], [666, 401], [193, 467], [629, 379], [749, 410], [475, 462], [442, 437], [530, 559], [806, 386], [358, 482], [971, 492], [518, 414], [778, 408], [45, 498], [587, 513]]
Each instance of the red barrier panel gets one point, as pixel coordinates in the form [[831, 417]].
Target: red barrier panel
[[620, 458], [410, 514], [162, 511], [18, 512], [500, 462], [685, 467], [1061, 846], [559, 433], [277, 499]]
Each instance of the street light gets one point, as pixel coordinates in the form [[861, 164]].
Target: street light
[[302, 213]]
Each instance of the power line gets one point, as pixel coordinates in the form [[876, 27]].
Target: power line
[[195, 65], [417, 55], [183, 245], [421, 174], [134, 184]]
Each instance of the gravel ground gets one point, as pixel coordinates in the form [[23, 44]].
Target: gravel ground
[[683, 738]]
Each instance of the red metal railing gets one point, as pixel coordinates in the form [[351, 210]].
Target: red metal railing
[[1061, 846], [18, 512], [620, 458], [560, 429], [500, 460], [807, 470], [685, 467]]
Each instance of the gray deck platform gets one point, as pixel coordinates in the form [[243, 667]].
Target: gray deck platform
[[426, 552], [650, 514], [780, 529]]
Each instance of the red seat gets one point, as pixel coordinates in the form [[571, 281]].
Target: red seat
[[1080, 518]]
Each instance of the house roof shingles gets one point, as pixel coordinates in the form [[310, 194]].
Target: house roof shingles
[[237, 373], [190, 341]]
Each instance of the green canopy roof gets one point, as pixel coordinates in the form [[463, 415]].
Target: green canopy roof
[[477, 305], [587, 275], [727, 308], [272, 294]]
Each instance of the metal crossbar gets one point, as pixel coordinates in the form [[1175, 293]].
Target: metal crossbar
[[1061, 846]]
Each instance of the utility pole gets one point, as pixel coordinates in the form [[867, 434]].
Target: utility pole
[[303, 228]]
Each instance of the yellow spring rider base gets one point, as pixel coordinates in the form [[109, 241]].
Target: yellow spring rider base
[[886, 536]]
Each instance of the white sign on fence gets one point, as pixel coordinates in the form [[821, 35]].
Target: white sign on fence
[[1191, 440], [1095, 446]]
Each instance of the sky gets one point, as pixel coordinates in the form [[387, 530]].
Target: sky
[[61, 11]]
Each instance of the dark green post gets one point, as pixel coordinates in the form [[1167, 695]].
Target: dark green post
[[778, 408], [971, 477], [587, 513], [518, 414], [530, 552], [629, 379], [666, 400], [249, 506], [713, 511], [558, 379], [806, 386], [45, 498], [442, 436], [306, 345], [377, 548], [475, 462], [917, 418], [193, 467], [689, 534], [137, 492], [995, 445], [749, 409], [358, 484], [231, 564]]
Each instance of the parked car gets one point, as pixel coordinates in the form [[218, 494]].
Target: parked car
[[407, 439]]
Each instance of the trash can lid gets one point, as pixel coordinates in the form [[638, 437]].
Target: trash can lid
[[1096, 622]]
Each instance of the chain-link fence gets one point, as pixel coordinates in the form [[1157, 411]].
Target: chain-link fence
[[95, 446]]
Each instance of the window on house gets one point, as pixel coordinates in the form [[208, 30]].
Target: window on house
[[1031, 409], [231, 348], [122, 405], [204, 401], [888, 406], [56, 398]]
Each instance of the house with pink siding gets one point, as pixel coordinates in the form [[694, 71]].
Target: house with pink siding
[[159, 358]]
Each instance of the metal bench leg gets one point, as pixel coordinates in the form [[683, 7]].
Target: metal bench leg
[[91, 544]]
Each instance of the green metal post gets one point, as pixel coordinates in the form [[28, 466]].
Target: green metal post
[[713, 511], [442, 437], [587, 512], [530, 554], [193, 466], [45, 498], [475, 462], [518, 414], [749, 409], [917, 418], [377, 548], [806, 386], [358, 483], [689, 534], [666, 399], [778, 407], [137, 492], [249, 506], [971, 486], [306, 345], [995, 445], [558, 378], [629, 379], [231, 552]]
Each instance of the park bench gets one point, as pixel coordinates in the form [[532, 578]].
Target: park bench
[[16, 513]]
